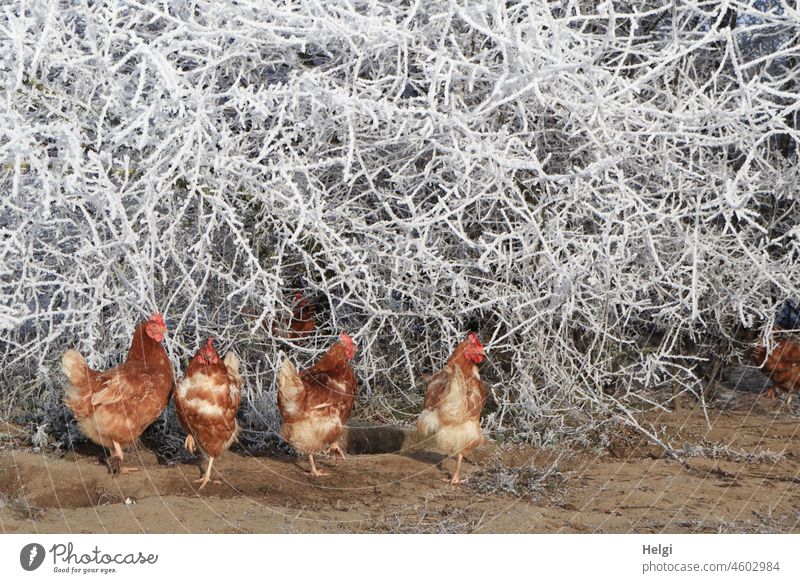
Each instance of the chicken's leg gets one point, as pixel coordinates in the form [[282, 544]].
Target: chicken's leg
[[115, 462], [314, 471], [456, 479], [207, 476], [770, 392], [335, 447]]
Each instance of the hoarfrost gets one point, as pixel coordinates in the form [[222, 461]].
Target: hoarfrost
[[609, 190]]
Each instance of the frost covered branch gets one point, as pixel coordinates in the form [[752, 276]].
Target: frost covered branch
[[608, 189]]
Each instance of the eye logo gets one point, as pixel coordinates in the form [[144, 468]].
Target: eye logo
[[31, 556]]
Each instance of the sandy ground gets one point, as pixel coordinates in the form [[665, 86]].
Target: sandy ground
[[741, 474]]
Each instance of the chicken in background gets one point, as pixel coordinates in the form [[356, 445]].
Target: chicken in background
[[316, 403], [303, 314], [207, 400], [114, 407], [302, 321], [453, 403], [781, 365]]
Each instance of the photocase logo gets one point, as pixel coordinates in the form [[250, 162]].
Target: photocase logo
[[66, 559], [31, 556]]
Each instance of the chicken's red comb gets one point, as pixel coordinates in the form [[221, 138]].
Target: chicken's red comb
[[157, 318], [346, 338], [472, 337], [208, 347]]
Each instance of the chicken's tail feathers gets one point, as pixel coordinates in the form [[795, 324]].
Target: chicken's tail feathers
[[290, 386], [232, 363], [287, 370], [75, 368], [79, 375], [73, 364], [428, 423]]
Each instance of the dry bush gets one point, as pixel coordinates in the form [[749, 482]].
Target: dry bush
[[608, 190]]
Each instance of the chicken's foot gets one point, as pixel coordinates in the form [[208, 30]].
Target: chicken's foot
[[189, 444], [115, 462], [314, 471], [114, 465], [335, 447], [456, 479], [207, 476]]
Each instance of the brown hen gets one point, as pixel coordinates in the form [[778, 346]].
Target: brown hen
[[207, 400], [781, 366], [302, 321], [316, 402], [114, 407], [453, 403]]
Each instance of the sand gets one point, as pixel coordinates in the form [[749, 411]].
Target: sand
[[742, 476]]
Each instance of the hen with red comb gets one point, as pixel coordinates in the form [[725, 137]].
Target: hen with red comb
[[207, 400], [114, 407], [454, 399], [316, 403]]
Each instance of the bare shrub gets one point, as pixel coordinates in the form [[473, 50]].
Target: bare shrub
[[609, 190]]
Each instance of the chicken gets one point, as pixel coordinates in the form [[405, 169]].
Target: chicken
[[303, 314], [207, 400], [781, 366], [453, 403], [114, 407], [316, 402], [301, 323]]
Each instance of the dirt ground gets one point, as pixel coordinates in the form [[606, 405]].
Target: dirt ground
[[740, 474]]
